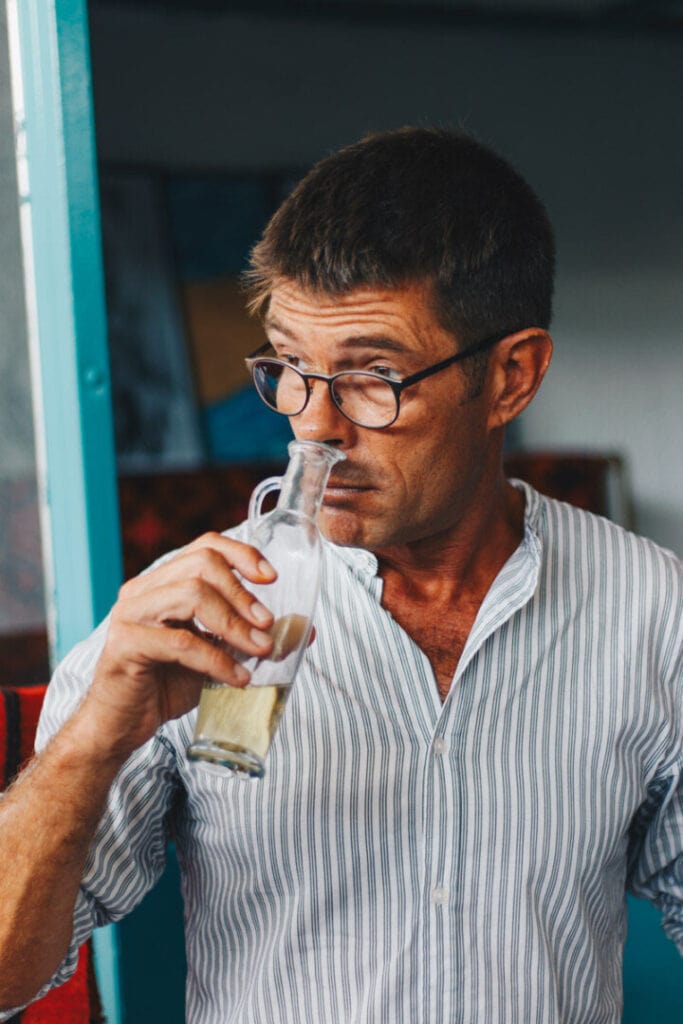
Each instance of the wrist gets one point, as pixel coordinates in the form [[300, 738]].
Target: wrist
[[94, 738]]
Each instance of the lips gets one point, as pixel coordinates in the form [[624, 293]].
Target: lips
[[341, 491], [348, 477], [346, 485]]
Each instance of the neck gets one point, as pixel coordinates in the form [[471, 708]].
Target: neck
[[463, 560]]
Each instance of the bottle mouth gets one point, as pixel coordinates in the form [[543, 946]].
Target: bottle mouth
[[326, 452]]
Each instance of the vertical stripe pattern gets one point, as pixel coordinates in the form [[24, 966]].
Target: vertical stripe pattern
[[408, 860]]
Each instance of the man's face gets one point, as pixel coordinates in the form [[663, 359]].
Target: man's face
[[416, 479]]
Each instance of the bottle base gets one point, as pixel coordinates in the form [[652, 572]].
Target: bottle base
[[217, 758]]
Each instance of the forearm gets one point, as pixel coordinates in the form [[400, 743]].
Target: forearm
[[149, 669], [47, 821]]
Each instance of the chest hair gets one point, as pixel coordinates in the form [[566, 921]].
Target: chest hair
[[440, 629]]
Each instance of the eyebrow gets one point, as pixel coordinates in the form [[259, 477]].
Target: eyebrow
[[384, 343], [270, 324]]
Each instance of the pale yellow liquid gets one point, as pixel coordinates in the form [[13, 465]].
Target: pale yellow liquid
[[232, 722], [240, 720], [287, 633]]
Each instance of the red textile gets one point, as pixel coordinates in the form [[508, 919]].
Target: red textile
[[19, 710], [68, 1004], [71, 1003]]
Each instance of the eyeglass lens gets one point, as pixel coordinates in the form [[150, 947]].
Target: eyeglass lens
[[363, 398]]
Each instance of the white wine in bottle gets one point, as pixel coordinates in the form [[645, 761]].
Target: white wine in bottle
[[235, 726]]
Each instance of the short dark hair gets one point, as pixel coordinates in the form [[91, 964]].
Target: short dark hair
[[416, 204]]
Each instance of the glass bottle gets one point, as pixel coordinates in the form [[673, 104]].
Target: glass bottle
[[235, 726]]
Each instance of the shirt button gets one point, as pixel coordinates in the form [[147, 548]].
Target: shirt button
[[440, 745], [440, 895]]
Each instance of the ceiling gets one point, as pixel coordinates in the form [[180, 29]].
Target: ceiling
[[592, 15]]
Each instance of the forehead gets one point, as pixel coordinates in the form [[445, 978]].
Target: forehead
[[405, 314]]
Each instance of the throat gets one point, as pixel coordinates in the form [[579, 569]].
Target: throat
[[435, 594], [439, 628]]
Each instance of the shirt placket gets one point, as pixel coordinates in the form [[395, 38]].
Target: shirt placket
[[443, 806], [441, 809]]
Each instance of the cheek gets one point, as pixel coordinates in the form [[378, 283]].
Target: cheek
[[441, 459], [416, 476], [395, 470], [426, 455]]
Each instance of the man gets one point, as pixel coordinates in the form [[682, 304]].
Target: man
[[483, 748]]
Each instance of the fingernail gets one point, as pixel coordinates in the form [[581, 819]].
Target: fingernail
[[260, 613], [262, 639], [241, 675], [266, 569]]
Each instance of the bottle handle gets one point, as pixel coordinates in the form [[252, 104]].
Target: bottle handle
[[273, 483]]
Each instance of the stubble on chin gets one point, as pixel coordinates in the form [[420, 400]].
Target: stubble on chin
[[343, 528]]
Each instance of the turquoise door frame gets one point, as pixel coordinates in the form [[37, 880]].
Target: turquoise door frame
[[59, 210]]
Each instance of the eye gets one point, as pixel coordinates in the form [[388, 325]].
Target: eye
[[291, 359], [385, 371]]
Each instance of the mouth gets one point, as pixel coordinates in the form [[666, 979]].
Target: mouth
[[341, 491]]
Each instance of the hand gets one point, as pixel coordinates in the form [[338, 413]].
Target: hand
[[155, 659]]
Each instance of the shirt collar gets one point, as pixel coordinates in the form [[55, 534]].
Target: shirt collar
[[365, 564]]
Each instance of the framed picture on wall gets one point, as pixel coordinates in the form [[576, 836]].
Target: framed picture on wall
[[174, 249], [156, 414], [214, 221]]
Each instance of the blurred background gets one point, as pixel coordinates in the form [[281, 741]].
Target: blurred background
[[207, 112]]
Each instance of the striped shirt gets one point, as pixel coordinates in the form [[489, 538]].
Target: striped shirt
[[407, 860]]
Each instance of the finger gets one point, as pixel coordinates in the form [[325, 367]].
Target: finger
[[204, 563], [245, 558], [134, 649], [242, 558], [180, 602]]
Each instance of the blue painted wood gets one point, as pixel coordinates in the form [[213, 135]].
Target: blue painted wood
[[67, 322], [653, 970], [67, 333], [152, 953]]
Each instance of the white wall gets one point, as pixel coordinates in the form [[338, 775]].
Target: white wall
[[16, 423], [21, 593], [593, 122]]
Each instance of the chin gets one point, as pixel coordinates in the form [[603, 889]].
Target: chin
[[343, 528]]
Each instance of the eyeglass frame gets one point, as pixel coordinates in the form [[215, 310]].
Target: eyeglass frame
[[397, 386]]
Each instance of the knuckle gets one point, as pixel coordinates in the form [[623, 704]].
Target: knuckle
[[206, 541], [183, 640], [194, 588], [218, 659], [205, 561], [117, 624], [213, 536], [125, 590], [232, 619], [113, 637], [237, 548]]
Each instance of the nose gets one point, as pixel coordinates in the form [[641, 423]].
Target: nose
[[321, 420]]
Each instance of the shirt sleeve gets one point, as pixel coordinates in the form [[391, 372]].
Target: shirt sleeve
[[655, 864], [656, 869], [128, 853]]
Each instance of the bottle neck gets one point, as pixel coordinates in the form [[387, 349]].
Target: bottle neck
[[305, 479]]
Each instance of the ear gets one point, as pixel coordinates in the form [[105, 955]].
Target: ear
[[516, 368]]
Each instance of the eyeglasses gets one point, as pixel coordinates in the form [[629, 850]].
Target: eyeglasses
[[366, 398]]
